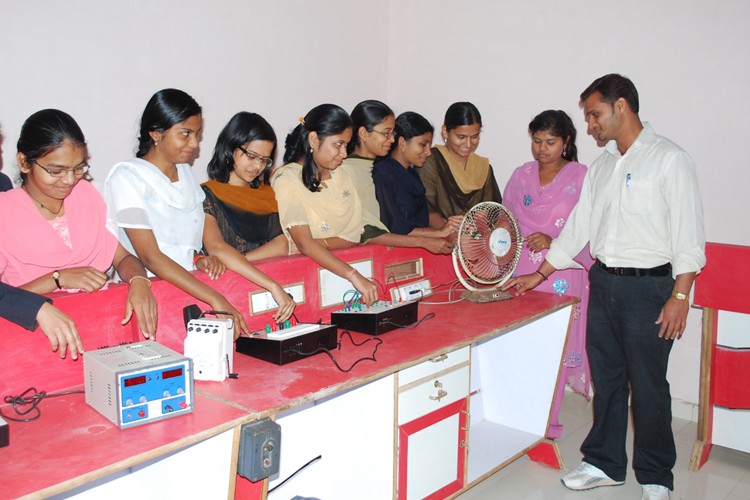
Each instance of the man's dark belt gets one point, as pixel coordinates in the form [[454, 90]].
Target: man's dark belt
[[663, 270]]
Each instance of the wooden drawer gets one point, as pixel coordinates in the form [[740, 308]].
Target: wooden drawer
[[433, 393], [432, 366]]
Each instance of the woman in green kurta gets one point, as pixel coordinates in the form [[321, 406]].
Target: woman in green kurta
[[455, 177]]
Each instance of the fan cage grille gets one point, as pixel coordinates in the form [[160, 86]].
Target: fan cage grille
[[474, 250]]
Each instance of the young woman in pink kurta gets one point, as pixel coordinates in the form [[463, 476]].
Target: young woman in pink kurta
[[541, 194], [54, 234]]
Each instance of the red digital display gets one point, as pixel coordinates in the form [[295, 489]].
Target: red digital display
[[130, 382], [177, 372]]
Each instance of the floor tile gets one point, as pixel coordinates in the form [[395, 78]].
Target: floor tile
[[726, 474]]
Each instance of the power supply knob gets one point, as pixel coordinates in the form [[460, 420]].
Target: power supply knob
[[167, 394], [180, 390], [128, 402], [142, 399]]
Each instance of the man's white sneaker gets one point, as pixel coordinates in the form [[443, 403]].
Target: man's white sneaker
[[586, 477], [654, 492]]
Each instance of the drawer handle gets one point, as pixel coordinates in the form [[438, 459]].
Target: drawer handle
[[441, 393], [439, 359]]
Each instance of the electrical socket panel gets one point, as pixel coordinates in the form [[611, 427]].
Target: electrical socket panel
[[411, 291], [333, 287], [261, 301]]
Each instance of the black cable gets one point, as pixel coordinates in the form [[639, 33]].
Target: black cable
[[18, 402], [426, 317], [295, 473], [336, 363]]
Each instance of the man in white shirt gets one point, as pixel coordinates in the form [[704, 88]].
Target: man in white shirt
[[641, 212]]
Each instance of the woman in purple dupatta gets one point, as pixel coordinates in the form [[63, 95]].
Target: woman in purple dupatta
[[541, 194]]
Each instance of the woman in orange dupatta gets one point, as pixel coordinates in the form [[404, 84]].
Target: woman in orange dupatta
[[239, 197]]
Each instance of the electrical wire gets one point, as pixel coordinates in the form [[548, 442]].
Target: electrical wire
[[354, 301], [449, 301], [333, 358], [412, 326], [19, 402], [395, 283], [295, 473], [445, 284], [382, 288]]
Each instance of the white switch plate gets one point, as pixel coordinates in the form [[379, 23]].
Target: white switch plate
[[261, 301], [421, 288], [333, 288]]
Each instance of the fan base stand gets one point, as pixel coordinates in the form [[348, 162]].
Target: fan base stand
[[484, 296]]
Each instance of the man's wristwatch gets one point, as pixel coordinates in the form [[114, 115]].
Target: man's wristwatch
[[56, 277], [679, 296]]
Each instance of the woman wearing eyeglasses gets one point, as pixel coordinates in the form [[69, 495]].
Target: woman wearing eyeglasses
[[373, 135], [58, 237], [240, 203], [373, 123], [157, 203]]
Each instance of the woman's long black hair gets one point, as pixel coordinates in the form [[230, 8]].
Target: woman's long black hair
[[325, 120]]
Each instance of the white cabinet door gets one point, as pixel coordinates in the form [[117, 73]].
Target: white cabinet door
[[432, 453], [354, 435]]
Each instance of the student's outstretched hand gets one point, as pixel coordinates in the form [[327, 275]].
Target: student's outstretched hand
[[221, 305], [285, 302], [60, 330], [522, 284], [437, 245], [365, 287], [142, 302]]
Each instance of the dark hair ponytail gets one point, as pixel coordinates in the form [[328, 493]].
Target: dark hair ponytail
[[409, 125], [559, 124], [166, 108], [367, 114], [325, 120]]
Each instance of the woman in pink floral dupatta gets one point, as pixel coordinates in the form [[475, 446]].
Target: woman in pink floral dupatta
[[541, 194]]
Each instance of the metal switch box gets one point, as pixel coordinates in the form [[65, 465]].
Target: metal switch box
[[260, 445]]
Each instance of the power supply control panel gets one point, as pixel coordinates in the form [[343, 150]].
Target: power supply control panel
[[134, 384]]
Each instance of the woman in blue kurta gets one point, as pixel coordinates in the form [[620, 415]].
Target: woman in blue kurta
[[400, 193]]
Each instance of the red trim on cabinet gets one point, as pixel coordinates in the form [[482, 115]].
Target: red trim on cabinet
[[418, 424]]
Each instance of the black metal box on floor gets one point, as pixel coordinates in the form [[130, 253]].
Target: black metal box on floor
[[285, 346], [377, 319]]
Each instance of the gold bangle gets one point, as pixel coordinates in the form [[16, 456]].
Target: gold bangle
[[130, 282]]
